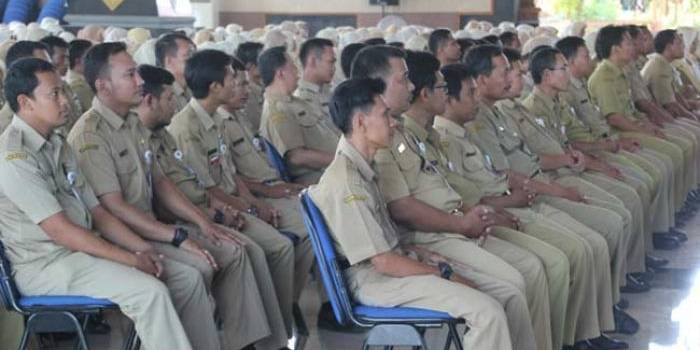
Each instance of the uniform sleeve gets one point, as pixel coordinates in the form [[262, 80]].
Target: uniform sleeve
[[660, 84], [22, 183], [284, 132], [96, 163], [195, 154], [607, 97], [575, 129], [350, 217], [487, 141], [391, 181]]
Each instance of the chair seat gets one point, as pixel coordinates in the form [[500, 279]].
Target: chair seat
[[399, 313], [64, 302]]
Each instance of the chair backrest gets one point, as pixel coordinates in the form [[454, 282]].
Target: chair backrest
[[327, 260], [9, 296], [277, 161]]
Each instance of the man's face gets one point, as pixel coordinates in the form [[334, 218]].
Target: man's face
[[627, 48], [451, 50], [123, 82], [42, 55], [176, 63], [677, 47], [289, 74], [515, 79], [378, 124], [437, 96], [558, 75], [468, 104], [165, 106], [60, 60], [497, 84], [48, 103], [648, 41], [581, 62], [399, 88], [240, 92], [223, 92], [325, 65]]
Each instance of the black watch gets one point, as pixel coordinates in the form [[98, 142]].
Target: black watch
[[179, 237], [445, 270]]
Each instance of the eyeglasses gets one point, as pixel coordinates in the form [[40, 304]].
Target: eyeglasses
[[442, 87], [562, 68]]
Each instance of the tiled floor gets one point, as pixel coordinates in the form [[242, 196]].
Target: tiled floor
[[669, 314]]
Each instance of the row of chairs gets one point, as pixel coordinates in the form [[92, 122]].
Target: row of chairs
[[388, 326]]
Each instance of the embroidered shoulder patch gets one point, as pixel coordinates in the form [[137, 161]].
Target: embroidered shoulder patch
[[16, 156], [87, 147], [354, 197]]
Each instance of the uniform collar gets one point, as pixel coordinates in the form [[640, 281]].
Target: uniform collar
[[578, 83], [548, 101], [31, 137], [109, 115], [450, 127], [413, 127], [347, 149], [224, 114], [606, 63], [307, 85], [507, 103], [275, 96], [73, 75], [206, 119]]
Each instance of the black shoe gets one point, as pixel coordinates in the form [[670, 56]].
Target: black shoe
[[582, 345], [635, 286], [327, 321], [624, 323], [655, 262], [645, 277], [606, 343], [623, 304], [680, 235], [665, 241]]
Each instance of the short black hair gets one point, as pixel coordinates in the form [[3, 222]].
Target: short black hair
[[237, 65], [663, 39], [422, 67], [248, 52], [542, 60], [97, 60], [437, 38], [76, 50], [398, 44], [492, 39], [507, 38], [167, 46], [373, 61], [512, 54], [375, 41], [479, 59], [205, 68], [21, 79], [608, 37], [269, 62], [348, 55], [52, 42], [154, 78], [350, 96], [23, 49], [455, 74], [464, 45], [313, 46], [569, 46], [634, 30]]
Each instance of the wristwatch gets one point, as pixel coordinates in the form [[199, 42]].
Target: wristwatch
[[445, 270], [179, 237]]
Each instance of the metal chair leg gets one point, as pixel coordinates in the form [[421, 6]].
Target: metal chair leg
[[454, 335], [25, 338]]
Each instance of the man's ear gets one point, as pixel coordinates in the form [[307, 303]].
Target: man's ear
[[358, 121], [24, 102]]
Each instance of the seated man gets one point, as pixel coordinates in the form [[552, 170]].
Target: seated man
[[50, 214], [76, 72], [305, 138], [353, 207], [248, 53]]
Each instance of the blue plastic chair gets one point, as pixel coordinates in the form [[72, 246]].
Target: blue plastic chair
[[389, 326], [53, 313], [54, 9], [277, 161]]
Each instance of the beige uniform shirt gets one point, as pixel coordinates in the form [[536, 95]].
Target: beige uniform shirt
[[587, 112], [254, 105], [115, 155], [6, 114], [663, 80], [557, 116], [289, 123], [638, 87], [498, 136], [316, 96], [688, 73], [81, 88], [204, 146], [182, 96], [34, 186], [349, 199], [475, 178], [247, 147], [611, 91]]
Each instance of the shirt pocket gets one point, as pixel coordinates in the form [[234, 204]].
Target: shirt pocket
[[125, 160], [241, 146], [410, 165], [472, 163]]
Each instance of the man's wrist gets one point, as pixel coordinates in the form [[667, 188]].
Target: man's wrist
[[180, 235]]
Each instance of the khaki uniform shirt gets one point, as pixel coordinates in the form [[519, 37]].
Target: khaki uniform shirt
[[478, 180], [247, 148], [349, 199], [688, 73], [115, 155], [498, 136], [639, 88], [611, 91], [316, 96], [204, 147], [182, 96], [6, 115], [81, 88], [34, 186], [254, 105], [662, 79], [557, 116], [289, 123], [587, 112]]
